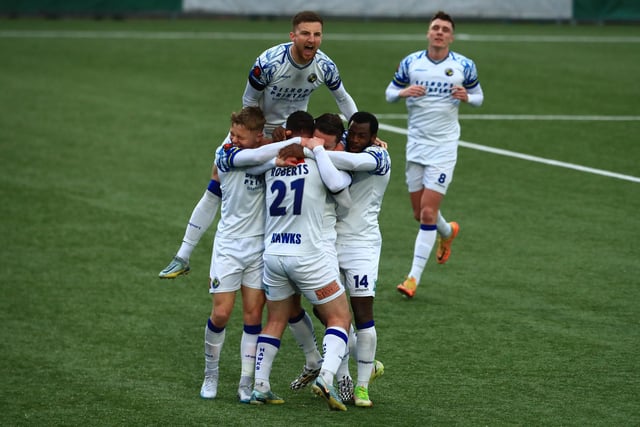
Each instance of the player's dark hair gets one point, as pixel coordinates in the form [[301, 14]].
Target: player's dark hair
[[291, 150], [306, 16], [444, 17], [330, 124], [300, 123], [361, 117]]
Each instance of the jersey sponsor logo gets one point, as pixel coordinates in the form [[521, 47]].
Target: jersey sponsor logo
[[312, 77], [299, 169], [287, 238], [291, 93], [436, 87], [254, 182], [327, 291]]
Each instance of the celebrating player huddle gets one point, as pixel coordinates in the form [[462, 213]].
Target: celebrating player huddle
[[299, 217]]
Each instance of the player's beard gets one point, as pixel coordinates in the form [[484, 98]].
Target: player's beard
[[309, 53], [305, 55]]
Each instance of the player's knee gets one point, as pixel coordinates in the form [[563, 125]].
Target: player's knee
[[362, 310], [221, 316], [428, 215], [253, 315]]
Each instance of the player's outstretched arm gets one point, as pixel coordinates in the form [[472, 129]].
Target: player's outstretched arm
[[257, 156], [362, 162], [345, 102]]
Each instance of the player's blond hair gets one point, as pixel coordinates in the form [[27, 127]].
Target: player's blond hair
[[252, 118]]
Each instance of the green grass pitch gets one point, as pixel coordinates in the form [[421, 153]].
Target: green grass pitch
[[106, 145]]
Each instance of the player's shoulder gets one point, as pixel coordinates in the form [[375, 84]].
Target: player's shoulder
[[223, 148], [417, 55], [413, 58], [375, 149], [383, 160], [320, 55], [460, 58], [276, 52], [225, 154], [324, 59]]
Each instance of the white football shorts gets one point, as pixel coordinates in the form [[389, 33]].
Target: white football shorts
[[236, 262], [436, 172], [330, 254], [359, 267], [307, 275]]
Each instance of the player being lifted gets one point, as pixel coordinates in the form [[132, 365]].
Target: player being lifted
[[280, 82]]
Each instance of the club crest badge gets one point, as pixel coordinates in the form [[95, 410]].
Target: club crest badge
[[312, 78]]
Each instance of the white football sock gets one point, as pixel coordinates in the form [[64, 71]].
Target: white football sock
[[367, 343], [201, 219], [425, 240], [305, 335], [248, 345], [266, 351], [444, 228], [343, 370], [213, 342], [335, 346]]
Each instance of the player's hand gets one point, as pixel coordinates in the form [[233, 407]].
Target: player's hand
[[380, 143], [460, 93], [312, 143], [413, 90], [279, 134]]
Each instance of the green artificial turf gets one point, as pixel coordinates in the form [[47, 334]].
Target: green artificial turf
[[106, 146]]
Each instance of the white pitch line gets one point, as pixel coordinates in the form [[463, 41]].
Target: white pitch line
[[548, 39], [166, 35], [536, 159], [205, 35], [549, 117]]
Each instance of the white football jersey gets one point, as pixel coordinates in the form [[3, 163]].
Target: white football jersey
[[433, 118], [295, 200], [330, 218], [242, 210], [286, 86], [359, 223]]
